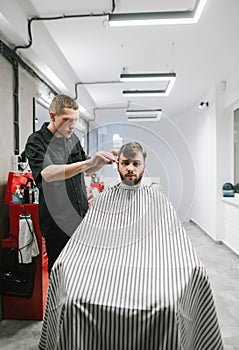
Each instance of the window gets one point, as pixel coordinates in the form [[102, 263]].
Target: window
[[40, 115], [81, 131]]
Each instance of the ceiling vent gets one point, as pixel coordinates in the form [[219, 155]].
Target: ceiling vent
[[144, 115]]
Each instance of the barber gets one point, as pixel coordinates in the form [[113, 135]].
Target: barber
[[58, 162]]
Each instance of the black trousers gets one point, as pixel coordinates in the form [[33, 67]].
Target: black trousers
[[53, 247]]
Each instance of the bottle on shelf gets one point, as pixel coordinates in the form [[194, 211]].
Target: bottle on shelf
[[35, 195], [17, 196]]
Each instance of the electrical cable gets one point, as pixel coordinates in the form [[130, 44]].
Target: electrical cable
[[53, 18], [113, 6]]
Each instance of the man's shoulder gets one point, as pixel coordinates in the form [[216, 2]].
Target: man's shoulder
[[32, 137], [35, 134], [40, 136], [36, 138]]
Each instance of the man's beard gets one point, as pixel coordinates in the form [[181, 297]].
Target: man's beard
[[131, 182]]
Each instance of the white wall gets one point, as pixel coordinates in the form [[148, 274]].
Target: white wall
[[6, 139], [200, 130], [210, 135]]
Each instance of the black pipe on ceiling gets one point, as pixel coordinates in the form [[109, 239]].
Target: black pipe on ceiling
[[56, 18], [15, 60]]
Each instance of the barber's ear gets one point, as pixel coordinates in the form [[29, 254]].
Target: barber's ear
[[52, 116]]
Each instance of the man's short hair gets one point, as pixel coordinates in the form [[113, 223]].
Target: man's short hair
[[130, 149], [60, 102]]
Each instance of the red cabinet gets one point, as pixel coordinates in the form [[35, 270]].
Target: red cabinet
[[27, 308]]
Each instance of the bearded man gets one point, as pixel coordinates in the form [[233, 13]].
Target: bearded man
[[129, 277]]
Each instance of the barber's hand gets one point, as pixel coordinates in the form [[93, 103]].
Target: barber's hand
[[102, 158], [114, 152]]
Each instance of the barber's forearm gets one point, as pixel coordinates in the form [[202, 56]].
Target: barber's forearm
[[66, 171], [61, 172], [94, 169]]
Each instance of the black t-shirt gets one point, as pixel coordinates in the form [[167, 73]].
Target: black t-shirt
[[62, 204]]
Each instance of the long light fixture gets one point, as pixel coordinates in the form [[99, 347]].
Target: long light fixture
[[143, 93], [149, 77], [144, 115], [158, 18]]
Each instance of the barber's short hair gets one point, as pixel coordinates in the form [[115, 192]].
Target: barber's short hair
[[130, 149], [60, 102]]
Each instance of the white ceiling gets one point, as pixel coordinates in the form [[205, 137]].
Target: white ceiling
[[86, 50]]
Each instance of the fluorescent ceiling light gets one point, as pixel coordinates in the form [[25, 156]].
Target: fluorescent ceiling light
[[143, 93], [169, 77], [148, 77], [144, 115], [158, 18]]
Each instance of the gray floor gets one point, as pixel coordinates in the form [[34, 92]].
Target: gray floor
[[223, 270]]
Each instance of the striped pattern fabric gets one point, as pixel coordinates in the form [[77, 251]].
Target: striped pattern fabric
[[129, 279]]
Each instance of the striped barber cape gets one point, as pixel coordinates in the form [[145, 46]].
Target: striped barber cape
[[129, 279]]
